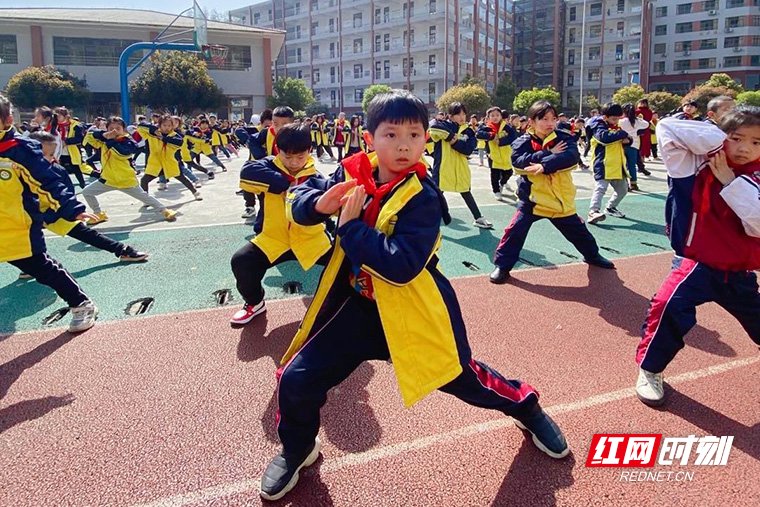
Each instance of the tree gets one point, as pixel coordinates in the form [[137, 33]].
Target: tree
[[473, 97], [526, 98], [591, 102], [504, 94], [40, 86], [749, 98], [177, 81], [663, 102], [469, 80], [628, 95], [371, 91], [725, 81], [316, 108], [705, 93], [290, 92]]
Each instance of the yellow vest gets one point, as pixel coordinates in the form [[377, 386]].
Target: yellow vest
[[414, 316], [501, 156], [161, 155], [454, 174], [116, 170]]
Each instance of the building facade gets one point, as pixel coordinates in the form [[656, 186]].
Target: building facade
[[539, 27], [88, 43], [692, 40], [602, 48], [340, 47]]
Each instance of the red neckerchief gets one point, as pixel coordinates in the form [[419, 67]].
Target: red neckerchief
[[360, 168], [8, 144], [271, 132], [538, 144], [63, 129], [494, 128]]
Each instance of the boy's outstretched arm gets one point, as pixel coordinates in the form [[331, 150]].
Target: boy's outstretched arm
[[400, 257]]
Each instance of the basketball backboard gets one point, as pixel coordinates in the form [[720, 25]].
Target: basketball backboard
[[201, 26]]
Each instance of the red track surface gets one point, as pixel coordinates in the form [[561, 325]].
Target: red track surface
[[178, 409]]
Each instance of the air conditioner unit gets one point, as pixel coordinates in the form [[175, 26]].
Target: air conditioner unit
[[713, 13], [683, 72], [686, 53], [729, 29], [737, 49]]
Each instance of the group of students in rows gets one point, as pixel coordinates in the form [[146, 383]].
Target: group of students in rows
[[381, 294]]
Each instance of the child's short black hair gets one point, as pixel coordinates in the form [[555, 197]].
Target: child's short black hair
[[202, 121], [116, 119], [612, 109], [42, 136], [718, 102], [266, 114], [456, 108], [492, 109], [396, 106], [294, 138], [742, 116], [6, 108], [283, 112], [539, 109]]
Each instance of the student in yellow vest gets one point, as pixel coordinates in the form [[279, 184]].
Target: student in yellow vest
[[71, 133], [499, 135], [383, 297], [200, 141], [321, 137], [185, 154], [217, 137], [277, 239], [653, 133], [481, 146], [164, 143]]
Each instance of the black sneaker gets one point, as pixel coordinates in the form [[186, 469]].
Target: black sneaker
[[132, 255], [499, 275], [546, 434], [211, 176], [600, 262], [281, 474], [645, 172]]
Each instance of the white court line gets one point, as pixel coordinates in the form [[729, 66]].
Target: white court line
[[362, 458]]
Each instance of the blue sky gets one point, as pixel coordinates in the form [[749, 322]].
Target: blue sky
[[170, 6]]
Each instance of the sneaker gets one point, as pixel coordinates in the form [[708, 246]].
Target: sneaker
[[281, 474], [498, 196], [633, 187], [595, 216], [161, 186], [101, 217], [615, 212], [211, 176], [132, 255], [649, 388], [600, 262], [198, 196], [247, 313], [170, 215], [249, 212], [499, 275], [24, 276], [224, 169], [645, 172], [506, 191], [483, 223], [198, 184], [83, 317], [546, 434]]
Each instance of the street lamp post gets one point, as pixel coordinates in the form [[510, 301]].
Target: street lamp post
[[583, 56]]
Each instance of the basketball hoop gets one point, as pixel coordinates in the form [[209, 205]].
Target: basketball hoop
[[216, 53]]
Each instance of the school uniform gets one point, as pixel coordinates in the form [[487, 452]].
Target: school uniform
[[341, 136], [715, 233], [320, 138], [277, 238], [71, 134], [382, 296], [356, 142], [608, 163], [550, 195], [498, 140]]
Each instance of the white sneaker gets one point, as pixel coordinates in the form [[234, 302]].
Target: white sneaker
[[506, 191], [249, 212], [498, 196], [649, 388], [596, 216], [198, 184], [83, 317], [198, 196], [161, 186], [483, 223]]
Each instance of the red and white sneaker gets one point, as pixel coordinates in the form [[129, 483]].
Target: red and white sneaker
[[247, 313]]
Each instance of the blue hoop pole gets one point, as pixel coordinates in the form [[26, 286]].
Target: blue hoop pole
[[124, 72]]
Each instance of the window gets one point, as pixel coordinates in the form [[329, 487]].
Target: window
[[621, 6], [387, 69], [378, 69], [731, 42], [618, 75], [595, 31], [433, 7], [431, 64], [710, 5], [378, 43], [408, 9], [660, 12], [593, 75], [333, 98], [358, 71], [431, 90], [571, 36], [92, 52], [358, 95], [732, 61], [661, 30], [659, 49], [659, 66], [332, 50], [570, 78], [377, 16], [730, 4], [684, 46], [683, 27], [358, 20], [358, 46], [708, 24], [314, 28], [315, 77], [572, 13], [332, 74], [314, 5], [733, 22], [406, 67], [755, 41], [386, 14], [682, 65], [571, 57], [596, 9], [256, 18], [594, 53], [315, 52], [431, 34], [706, 63], [8, 50], [387, 42], [331, 23], [618, 52], [683, 8], [708, 44]]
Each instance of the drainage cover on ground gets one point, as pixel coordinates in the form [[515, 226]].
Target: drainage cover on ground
[[292, 287], [139, 306], [222, 296], [55, 316], [470, 265]]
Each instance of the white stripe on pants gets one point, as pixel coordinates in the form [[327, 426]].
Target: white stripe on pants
[[98, 187], [620, 188]]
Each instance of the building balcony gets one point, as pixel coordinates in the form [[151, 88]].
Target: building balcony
[[349, 56], [323, 34]]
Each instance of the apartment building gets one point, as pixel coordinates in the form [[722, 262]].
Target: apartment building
[[539, 27], [340, 47], [602, 49], [692, 40]]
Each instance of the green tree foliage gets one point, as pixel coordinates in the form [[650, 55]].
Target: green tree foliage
[[628, 94], [705, 93], [526, 98], [591, 102], [291, 92], [371, 91], [504, 94], [46, 86], [725, 81], [473, 96], [316, 108], [177, 81], [749, 98], [469, 80], [663, 102]]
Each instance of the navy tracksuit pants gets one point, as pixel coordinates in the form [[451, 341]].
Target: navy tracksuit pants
[[672, 312], [573, 228], [49, 271], [354, 335]]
